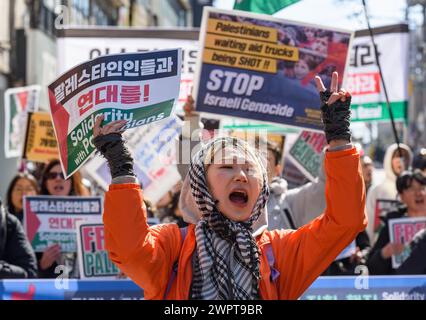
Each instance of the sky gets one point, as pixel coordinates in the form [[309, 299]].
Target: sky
[[334, 13]]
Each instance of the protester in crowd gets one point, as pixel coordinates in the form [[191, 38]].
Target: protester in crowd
[[17, 259], [416, 262], [151, 210], [367, 172], [419, 161], [23, 184], [172, 213], [53, 183], [225, 251], [394, 163], [411, 186], [290, 209]]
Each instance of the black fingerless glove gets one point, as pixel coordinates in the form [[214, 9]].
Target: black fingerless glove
[[112, 147], [335, 117]]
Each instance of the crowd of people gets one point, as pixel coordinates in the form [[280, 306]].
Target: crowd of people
[[313, 217]]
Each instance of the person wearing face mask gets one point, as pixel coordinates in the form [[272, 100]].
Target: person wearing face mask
[[227, 251], [53, 183], [411, 186], [23, 184], [393, 163]]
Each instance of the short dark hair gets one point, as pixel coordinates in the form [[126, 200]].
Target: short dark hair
[[16, 178], [419, 161], [405, 179]]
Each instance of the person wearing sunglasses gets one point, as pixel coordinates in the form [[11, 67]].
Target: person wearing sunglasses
[[411, 186], [53, 183]]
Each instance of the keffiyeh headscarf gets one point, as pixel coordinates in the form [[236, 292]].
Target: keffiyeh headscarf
[[227, 260]]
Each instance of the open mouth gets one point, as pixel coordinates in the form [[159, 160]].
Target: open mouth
[[58, 188], [239, 197], [420, 201]]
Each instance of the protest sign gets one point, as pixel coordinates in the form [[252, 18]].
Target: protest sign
[[347, 252], [403, 230], [18, 102], [262, 68], [154, 153], [120, 87], [367, 287], [306, 153], [323, 288], [383, 207], [78, 45], [40, 141], [363, 78], [93, 259], [249, 125], [51, 219]]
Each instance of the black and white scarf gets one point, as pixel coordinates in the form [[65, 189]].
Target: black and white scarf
[[227, 259]]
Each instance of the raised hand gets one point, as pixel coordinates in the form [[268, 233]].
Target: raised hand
[[112, 127], [335, 111], [109, 142], [50, 255]]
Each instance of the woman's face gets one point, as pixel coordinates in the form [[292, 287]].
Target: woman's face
[[235, 183], [23, 187], [56, 184]]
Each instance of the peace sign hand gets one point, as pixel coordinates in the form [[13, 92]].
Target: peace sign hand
[[335, 111]]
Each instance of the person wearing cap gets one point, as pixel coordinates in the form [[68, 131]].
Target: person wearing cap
[[411, 186]]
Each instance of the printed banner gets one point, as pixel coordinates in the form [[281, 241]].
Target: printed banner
[[93, 259], [306, 153], [50, 219], [365, 287], [262, 68], [76, 46], [70, 289], [403, 230], [324, 288], [121, 87], [363, 78], [383, 207], [18, 102], [40, 141], [154, 150]]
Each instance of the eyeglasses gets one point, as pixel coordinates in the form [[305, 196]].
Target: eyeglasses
[[53, 175]]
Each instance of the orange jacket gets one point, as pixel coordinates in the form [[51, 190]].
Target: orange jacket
[[147, 254]]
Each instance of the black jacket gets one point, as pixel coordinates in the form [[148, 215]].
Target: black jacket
[[17, 259], [416, 262], [376, 264], [345, 267]]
